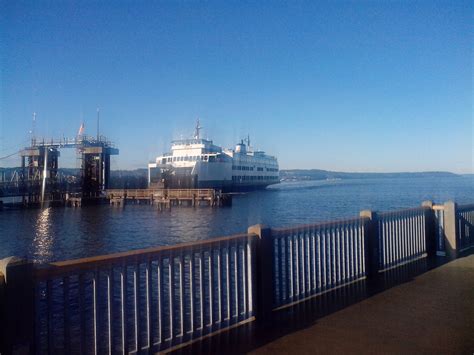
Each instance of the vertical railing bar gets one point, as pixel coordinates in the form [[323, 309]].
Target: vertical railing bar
[[236, 280], [110, 301], [244, 278], [362, 229], [423, 233], [309, 263], [171, 294], [302, 259], [159, 298], [94, 305], [333, 257], [123, 296], [343, 253], [297, 264], [201, 293], [317, 243], [148, 283], [227, 278], [384, 247], [249, 276], [210, 260], [352, 272], [66, 316], [413, 235], [416, 231], [340, 254], [394, 240], [417, 221], [191, 291], [49, 315], [323, 258], [313, 250], [219, 284], [347, 251], [82, 315], [289, 240], [136, 288], [281, 246], [181, 293], [405, 236]]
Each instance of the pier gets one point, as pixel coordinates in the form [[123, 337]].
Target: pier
[[240, 292], [165, 198]]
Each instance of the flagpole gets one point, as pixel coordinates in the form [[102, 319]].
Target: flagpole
[[98, 120]]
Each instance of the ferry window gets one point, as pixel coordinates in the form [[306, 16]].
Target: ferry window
[[212, 158]]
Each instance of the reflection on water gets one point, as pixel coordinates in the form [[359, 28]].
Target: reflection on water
[[43, 239], [65, 233]]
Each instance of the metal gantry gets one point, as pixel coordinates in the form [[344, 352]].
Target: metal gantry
[[38, 179]]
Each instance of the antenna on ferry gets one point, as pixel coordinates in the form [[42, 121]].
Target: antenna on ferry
[[197, 130], [248, 139]]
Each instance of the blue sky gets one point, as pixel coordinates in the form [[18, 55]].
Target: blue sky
[[339, 85]]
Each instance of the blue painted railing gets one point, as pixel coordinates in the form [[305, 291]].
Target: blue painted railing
[[161, 298]]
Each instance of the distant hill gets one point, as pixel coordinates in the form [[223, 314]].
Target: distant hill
[[316, 174]]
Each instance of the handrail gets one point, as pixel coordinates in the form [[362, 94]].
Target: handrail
[[319, 225], [401, 211]]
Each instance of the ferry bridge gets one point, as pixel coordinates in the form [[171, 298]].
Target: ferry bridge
[[38, 179]]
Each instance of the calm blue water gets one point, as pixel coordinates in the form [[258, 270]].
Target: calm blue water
[[64, 233]]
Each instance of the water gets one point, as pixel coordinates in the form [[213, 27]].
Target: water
[[65, 233]]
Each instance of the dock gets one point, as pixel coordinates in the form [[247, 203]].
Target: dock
[[165, 198]]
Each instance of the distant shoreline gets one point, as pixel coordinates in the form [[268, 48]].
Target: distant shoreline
[[285, 174], [317, 174]]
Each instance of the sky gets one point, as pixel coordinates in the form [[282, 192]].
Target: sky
[[376, 86]]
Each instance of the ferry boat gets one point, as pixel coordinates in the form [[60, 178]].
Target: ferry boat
[[199, 163]]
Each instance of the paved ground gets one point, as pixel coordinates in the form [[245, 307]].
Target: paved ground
[[431, 314]]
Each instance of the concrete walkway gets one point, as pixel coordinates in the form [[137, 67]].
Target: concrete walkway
[[432, 314]]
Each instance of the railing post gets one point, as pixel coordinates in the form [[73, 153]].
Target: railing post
[[3, 300], [450, 229], [371, 242], [18, 310], [430, 228], [265, 276]]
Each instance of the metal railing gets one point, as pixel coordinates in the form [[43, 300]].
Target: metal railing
[[311, 259], [155, 299], [401, 237], [465, 225], [144, 300]]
